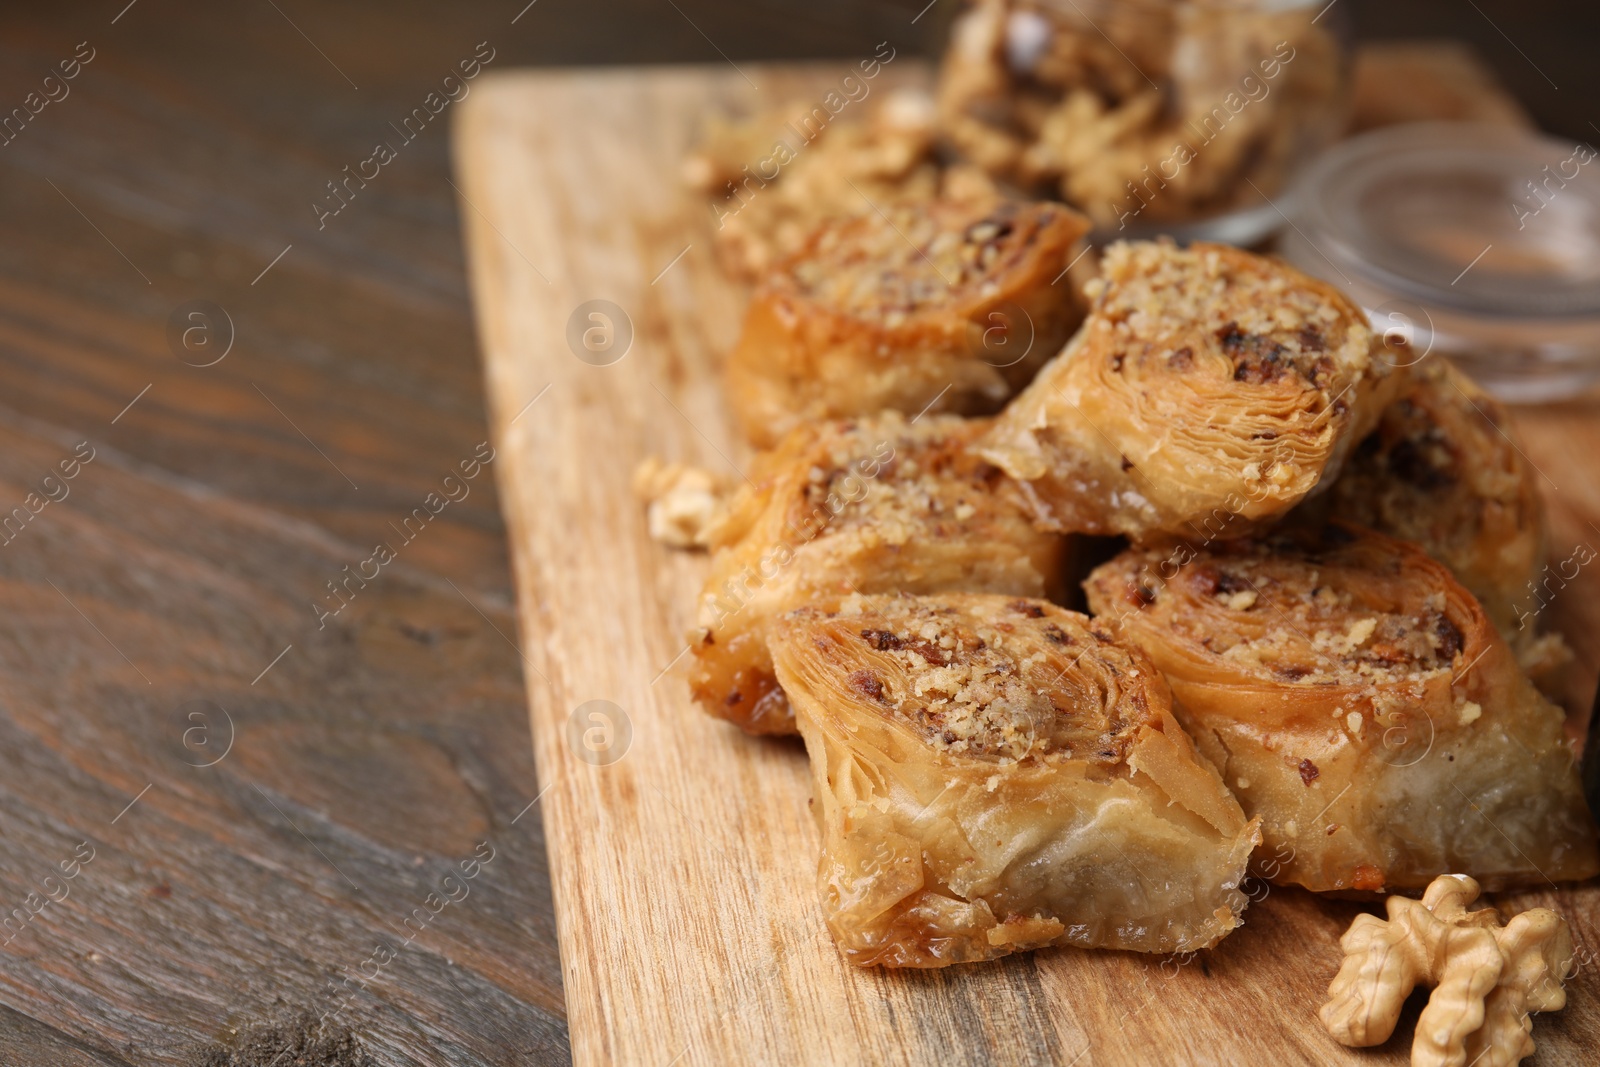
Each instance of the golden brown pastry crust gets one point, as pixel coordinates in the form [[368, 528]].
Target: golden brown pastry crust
[[1356, 697], [941, 306], [774, 178], [1208, 392], [994, 774], [1442, 470], [871, 505]]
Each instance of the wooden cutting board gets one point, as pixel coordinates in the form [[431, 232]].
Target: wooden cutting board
[[684, 870]]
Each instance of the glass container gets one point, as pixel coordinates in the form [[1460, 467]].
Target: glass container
[[1150, 116], [1477, 242]]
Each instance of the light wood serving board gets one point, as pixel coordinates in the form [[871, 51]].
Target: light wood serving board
[[684, 871]]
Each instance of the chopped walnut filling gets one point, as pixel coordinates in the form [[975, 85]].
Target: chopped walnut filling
[[894, 479], [1260, 360], [1421, 454], [1164, 301], [1305, 628], [997, 688], [889, 268]]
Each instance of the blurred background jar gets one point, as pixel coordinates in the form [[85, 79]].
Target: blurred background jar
[[1473, 241], [1183, 117]]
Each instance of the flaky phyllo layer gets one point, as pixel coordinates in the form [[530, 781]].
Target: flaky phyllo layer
[[995, 774], [1208, 392], [859, 506], [1442, 470], [1357, 698], [945, 306]]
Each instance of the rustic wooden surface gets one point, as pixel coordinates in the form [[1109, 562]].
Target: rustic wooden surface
[[376, 753], [182, 163], [683, 871]]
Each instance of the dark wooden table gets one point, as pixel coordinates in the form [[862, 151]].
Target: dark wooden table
[[223, 806]]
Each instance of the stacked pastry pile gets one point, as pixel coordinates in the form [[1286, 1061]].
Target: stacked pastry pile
[[1303, 645]]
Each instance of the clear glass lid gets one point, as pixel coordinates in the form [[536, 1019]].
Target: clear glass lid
[[1479, 218], [1477, 242]]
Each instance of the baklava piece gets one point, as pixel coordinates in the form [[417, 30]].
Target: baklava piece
[[773, 178], [1356, 698], [1208, 392], [869, 506], [993, 775], [937, 307], [1442, 470]]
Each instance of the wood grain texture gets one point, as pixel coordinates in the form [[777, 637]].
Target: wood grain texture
[[189, 552], [683, 872]]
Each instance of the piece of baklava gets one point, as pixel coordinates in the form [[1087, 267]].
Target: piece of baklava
[[774, 177], [942, 306], [1442, 470], [1208, 392], [1356, 698], [870, 506], [992, 775]]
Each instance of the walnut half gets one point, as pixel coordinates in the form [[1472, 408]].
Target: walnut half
[[1488, 980]]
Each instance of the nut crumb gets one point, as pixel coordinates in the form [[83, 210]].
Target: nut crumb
[[682, 502], [1360, 632], [1243, 600]]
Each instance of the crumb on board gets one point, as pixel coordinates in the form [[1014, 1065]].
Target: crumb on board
[[681, 501]]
